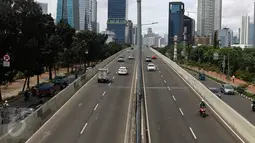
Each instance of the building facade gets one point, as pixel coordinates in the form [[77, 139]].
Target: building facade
[[94, 15], [175, 21], [68, 12], [111, 36], [117, 19], [217, 14], [244, 34], [189, 30], [205, 17], [130, 32], [225, 36], [134, 35], [82, 7], [88, 15], [251, 34], [44, 7]]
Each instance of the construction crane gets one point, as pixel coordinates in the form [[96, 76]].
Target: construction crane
[[190, 12]]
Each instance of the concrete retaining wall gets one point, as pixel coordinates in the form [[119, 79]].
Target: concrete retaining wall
[[26, 128], [237, 122]]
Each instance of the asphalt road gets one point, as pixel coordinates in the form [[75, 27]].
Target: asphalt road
[[173, 110], [96, 115], [238, 103]]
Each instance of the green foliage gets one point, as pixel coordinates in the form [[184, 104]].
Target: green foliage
[[33, 41]]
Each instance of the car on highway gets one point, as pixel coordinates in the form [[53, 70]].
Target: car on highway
[[151, 67], [215, 91], [130, 57], [153, 57], [148, 59], [122, 70], [103, 75], [121, 59], [227, 89]]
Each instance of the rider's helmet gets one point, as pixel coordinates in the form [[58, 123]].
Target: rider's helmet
[[202, 100], [5, 101]]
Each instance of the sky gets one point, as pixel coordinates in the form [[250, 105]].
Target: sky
[[157, 11]]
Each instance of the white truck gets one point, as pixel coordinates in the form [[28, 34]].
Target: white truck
[[103, 75]]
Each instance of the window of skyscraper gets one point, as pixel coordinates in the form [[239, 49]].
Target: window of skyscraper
[[174, 8]]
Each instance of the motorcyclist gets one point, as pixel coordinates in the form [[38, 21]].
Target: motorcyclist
[[17, 110], [6, 104], [253, 104], [202, 104]]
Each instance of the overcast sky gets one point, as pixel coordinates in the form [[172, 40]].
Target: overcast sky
[[157, 11]]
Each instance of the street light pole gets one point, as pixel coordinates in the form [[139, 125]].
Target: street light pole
[[139, 78]]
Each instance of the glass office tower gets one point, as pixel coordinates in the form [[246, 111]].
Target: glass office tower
[[68, 10], [117, 19], [175, 21]]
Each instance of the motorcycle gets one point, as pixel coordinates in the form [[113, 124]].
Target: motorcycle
[[253, 107], [202, 112]]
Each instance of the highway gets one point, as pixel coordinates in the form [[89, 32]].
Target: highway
[[96, 114], [240, 104], [173, 110]]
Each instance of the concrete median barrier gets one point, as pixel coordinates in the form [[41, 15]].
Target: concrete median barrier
[[237, 123], [26, 128]]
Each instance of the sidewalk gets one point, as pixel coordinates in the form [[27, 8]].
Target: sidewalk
[[13, 89], [222, 77]]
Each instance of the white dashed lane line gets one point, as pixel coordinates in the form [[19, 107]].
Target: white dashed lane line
[[104, 93], [181, 111], [113, 77], [95, 107], [192, 133], [174, 98], [164, 81], [168, 88], [162, 76], [83, 128], [109, 84]]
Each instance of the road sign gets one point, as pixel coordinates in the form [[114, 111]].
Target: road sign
[[6, 64], [215, 56], [6, 58]]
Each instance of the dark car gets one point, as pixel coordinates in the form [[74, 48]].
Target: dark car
[[216, 91], [46, 89]]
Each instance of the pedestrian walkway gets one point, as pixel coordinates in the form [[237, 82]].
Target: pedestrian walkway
[[223, 77], [13, 89]]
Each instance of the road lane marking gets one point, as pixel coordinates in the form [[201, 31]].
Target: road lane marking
[[168, 88], [104, 93], [95, 107], [164, 81], [113, 77], [174, 98], [181, 111], [162, 76], [80, 105], [159, 71], [192, 133], [83, 128], [109, 84]]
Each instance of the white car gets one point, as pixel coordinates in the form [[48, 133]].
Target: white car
[[122, 71], [151, 67]]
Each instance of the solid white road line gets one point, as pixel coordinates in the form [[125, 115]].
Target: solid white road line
[[95, 107], [181, 111], [104, 93], [192, 133], [83, 128], [174, 98]]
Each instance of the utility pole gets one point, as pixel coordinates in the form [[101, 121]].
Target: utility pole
[[228, 65], [175, 47], [139, 92]]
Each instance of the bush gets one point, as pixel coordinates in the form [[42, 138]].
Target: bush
[[241, 88]]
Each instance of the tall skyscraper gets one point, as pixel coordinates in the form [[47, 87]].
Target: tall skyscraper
[[44, 7], [244, 38], [217, 14], [130, 32], [117, 19], [175, 21], [98, 27], [225, 36], [82, 7], [88, 14], [189, 28], [94, 15], [135, 35], [205, 17], [251, 34], [68, 11]]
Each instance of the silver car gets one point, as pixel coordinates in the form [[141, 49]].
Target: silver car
[[216, 91], [227, 89]]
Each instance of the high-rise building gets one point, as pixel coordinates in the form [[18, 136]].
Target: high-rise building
[[130, 32], [217, 14], [166, 38], [82, 7], [44, 7], [117, 18], [244, 37], [205, 17], [175, 21], [88, 15], [135, 35], [251, 34], [189, 30], [94, 15], [225, 36], [68, 11], [98, 27]]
